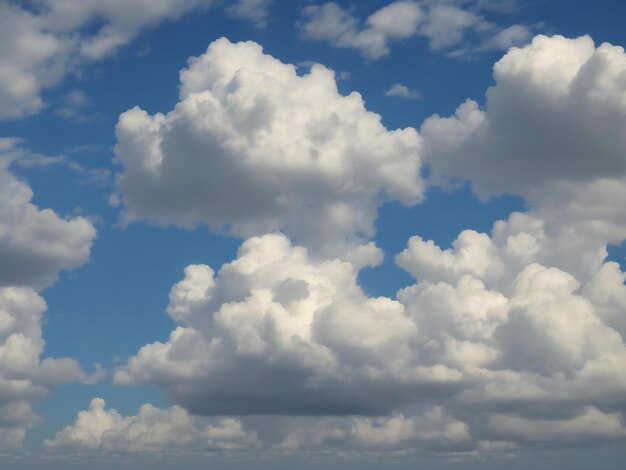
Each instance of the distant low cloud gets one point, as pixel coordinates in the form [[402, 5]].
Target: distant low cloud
[[151, 431]]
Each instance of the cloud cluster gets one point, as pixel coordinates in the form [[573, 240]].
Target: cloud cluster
[[444, 24], [35, 244], [174, 431], [277, 334], [505, 336], [253, 147]]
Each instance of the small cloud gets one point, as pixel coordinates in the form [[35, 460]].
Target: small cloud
[[402, 91], [74, 107], [255, 11], [343, 75]]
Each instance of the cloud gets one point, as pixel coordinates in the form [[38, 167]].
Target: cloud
[[253, 147], [555, 115], [24, 377], [444, 24], [40, 45], [402, 91], [173, 431], [35, 244], [275, 333], [267, 336], [256, 11], [152, 431]]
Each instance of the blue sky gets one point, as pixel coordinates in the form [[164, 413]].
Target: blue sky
[[367, 308]]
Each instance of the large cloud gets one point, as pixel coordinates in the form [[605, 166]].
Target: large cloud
[[268, 336], [276, 333], [252, 147]]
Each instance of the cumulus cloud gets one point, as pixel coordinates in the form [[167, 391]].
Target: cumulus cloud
[[555, 115], [41, 43], [253, 147], [35, 244], [444, 24], [151, 430], [267, 336]]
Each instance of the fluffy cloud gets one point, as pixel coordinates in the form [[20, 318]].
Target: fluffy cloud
[[253, 147], [443, 24], [150, 431], [39, 45], [555, 116], [35, 244], [267, 336]]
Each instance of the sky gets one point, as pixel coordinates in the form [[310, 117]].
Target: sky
[[302, 234]]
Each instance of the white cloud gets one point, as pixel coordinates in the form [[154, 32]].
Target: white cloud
[[40, 45], [256, 11], [444, 24], [590, 425], [267, 336], [152, 431], [556, 114], [252, 147], [35, 244], [402, 91]]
